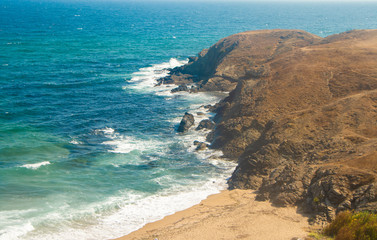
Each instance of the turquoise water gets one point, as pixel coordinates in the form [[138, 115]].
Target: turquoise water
[[88, 148]]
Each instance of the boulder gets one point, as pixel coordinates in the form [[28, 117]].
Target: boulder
[[201, 146], [180, 88], [186, 122], [206, 124]]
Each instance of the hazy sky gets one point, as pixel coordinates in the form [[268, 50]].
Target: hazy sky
[[225, 1], [261, 0], [339, 1]]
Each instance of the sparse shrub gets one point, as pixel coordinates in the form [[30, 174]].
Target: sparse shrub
[[316, 200], [353, 226]]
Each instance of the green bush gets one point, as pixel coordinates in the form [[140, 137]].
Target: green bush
[[353, 226]]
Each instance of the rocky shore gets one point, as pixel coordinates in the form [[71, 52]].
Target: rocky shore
[[300, 118]]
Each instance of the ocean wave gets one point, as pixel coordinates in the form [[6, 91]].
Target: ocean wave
[[126, 144], [146, 78], [35, 166], [75, 142], [127, 212], [107, 131], [13, 232]]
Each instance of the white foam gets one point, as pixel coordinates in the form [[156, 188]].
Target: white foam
[[126, 144], [106, 130], [153, 208], [35, 165], [15, 232], [75, 141], [129, 211], [146, 78]]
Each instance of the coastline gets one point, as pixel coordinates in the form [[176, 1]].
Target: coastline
[[91, 149], [144, 80], [282, 154], [300, 123], [231, 214]]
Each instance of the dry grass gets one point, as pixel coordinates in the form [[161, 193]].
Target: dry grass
[[368, 161], [353, 226]]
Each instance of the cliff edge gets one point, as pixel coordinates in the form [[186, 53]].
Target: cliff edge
[[301, 116]]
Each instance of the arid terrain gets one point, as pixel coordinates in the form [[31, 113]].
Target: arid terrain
[[301, 116]]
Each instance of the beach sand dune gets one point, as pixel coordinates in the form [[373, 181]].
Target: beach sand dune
[[228, 215]]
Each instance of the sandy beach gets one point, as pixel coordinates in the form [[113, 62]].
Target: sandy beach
[[228, 215]]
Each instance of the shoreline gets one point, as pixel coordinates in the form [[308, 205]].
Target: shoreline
[[230, 214], [200, 112]]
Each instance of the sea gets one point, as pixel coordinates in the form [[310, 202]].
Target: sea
[[88, 143]]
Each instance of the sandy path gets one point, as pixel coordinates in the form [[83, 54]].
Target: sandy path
[[228, 215]]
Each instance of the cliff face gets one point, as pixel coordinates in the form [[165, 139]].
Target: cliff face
[[301, 116]]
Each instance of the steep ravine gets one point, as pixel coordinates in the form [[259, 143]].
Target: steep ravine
[[301, 116]]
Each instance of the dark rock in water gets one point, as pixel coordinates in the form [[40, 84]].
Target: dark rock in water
[[207, 124], [177, 78], [186, 122], [192, 59], [194, 89], [200, 113], [201, 146], [210, 137], [165, 80], [180, 88]]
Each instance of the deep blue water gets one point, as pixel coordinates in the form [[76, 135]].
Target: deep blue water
[[88, 148]]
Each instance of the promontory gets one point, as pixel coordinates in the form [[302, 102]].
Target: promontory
[[300, 118]]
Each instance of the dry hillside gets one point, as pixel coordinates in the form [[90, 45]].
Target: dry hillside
[[301, 116]]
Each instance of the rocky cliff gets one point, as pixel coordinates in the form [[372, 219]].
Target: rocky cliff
[[301, 116]]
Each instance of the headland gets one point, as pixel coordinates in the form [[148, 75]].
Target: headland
[[300, 120]]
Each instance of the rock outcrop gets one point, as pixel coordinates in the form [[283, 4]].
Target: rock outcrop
[[301, 116], [187, 121], [180, 88], [206, 124], [201, 146]]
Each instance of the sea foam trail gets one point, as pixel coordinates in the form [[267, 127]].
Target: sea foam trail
[[126, 144], [35, 166], [145, 79]]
